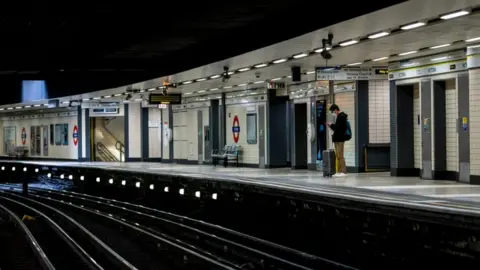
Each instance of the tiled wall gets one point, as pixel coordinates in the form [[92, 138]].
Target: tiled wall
[[134, 143], [451, 110], [379, 111], [474, 125], [346, 102], [180, 134], [155, 133], [192, 134], [417, 138], [166, 145]]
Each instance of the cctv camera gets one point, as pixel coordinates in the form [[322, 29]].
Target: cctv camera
[[326, 55], [257, 74]]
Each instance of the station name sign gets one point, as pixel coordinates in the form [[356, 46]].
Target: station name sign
[[99, 105], [351, 74], [428, 70], [165, 99]]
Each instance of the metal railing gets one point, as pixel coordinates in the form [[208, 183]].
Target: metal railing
[[104, 154]]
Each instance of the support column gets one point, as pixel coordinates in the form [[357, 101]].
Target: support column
[[426, 111], [470, 123], [439, 130], [463, 105], [170, 126], [214, 118], [144, 134], [313, 145], [88, 153], [222, 121], [126, 136], [80, 132], [360, 134]]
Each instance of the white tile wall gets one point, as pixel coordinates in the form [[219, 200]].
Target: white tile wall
[[166, 145], [69, 151], [134, 131], [250, 153], [379, 111], [180, 134], [84, 133], [474, 125], [417, 140], [155, 133], [192, 134], [451, 110], [346, 102]]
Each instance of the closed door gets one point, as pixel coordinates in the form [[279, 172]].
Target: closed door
[[261, 135]]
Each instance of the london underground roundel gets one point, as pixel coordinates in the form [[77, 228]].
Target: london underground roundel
[[236, 129], [24, 136], [75, 135]]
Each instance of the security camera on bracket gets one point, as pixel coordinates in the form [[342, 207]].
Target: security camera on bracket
[[225, 75], [326, 45]]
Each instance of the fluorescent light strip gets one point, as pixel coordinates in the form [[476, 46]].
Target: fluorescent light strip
[[378, 35], [380, 59], [37, 105], [201, 91], [474, 46], [407, 53], [454, 15], [18, 107], [412, 25], [96, 98], [310, 72], [321, 49], [278, 61], [86, 99], [440, 58], [227, 87], [258, 82], [138, 99], [107, 96], [242, 84], [187, 82], [440, 46], [260, 65], [28, 106], [201, 80], [472, 39], [301, 55], [214, 76], [231, 72], [348, 43], [65, 102], [117, 95], [213, 89], [244, 69], [355, 64]]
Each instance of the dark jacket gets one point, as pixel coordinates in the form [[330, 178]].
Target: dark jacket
[[339, 128]]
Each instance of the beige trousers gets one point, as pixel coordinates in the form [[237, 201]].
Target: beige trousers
[[339, 150]]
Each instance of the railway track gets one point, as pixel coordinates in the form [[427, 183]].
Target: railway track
[[243, 250]]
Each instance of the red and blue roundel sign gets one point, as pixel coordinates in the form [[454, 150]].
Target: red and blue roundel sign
[[24, 136], [236, 129], [75, 135]]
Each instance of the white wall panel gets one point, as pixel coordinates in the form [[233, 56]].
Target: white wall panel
[[134, 131], [451, 110], [165, 124], [346, 102], [250, 153], [379, 111], [474, 125], [155, 133], [69, 151], [417, 140], [180, 134], [84, 133]]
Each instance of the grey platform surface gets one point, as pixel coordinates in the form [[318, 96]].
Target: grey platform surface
[[377, 185]]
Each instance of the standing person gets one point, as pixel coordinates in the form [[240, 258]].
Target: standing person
[[341, 133]]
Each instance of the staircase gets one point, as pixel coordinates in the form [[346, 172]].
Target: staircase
[[108, 147]]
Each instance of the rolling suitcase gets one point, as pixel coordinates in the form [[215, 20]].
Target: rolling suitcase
[[329, 163]]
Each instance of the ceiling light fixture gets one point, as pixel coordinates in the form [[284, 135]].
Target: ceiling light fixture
[[455, 15], [260, 65], [201, 91], [379, 35], [407, 53], [244, 69], [440, 46], [227, 87], [380, 59], [473, 46], [440, 58], [321, 49], [214, 76], [412, 25], [242, 84], [187, 82], [213, 89], [301, 55], [348, 43], [278, 61], [201, 80], [355, 64], [258, 82], [310, 72], [472, 39], [275, 79]]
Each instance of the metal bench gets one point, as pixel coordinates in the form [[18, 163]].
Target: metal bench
[[229, 153]]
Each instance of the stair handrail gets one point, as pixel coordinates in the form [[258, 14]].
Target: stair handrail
[[103, 150]]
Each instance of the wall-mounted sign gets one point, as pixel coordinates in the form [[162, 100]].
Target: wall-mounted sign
[[236, 129], [165, 99], [24, 136], [75, 135], [100, 105], [162, 106], [350, 74], [426, 70], [153, 124], [275, 85]]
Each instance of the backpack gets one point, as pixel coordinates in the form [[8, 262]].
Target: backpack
[[348, 132]]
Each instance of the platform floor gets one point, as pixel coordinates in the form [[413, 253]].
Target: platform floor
[[435, 191]]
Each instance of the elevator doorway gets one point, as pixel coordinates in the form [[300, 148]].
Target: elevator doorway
[[300, 160]]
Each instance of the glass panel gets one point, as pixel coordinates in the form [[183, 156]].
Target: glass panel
[[58, 134], [252, 128], [65, 134]]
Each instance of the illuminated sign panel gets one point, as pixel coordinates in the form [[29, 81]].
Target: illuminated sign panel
[[165, 99]]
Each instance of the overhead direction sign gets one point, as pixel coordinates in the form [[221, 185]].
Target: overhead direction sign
[[165, 99], [350, 74]]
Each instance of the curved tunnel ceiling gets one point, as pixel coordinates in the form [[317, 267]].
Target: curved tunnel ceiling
[[83, 49]]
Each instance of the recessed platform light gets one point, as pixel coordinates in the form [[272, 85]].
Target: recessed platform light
[[348, 43], [440, 46], [187, 82], [244, 69], [407, 53], [214, 76], [278, 61], [260, 65], [201, 80], [455, 15], [379, 35], [413, 25], [301, 55], [380, 58]]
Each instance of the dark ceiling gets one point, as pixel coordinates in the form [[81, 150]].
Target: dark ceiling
[[112, 43]]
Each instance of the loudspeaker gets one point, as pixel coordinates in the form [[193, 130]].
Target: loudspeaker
[[296, 74]]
